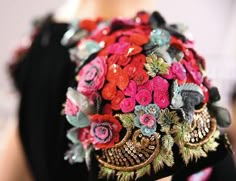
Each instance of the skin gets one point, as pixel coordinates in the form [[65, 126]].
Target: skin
[[13, 164]]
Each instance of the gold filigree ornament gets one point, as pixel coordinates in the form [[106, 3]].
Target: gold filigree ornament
[[136, 154], [197, 139]]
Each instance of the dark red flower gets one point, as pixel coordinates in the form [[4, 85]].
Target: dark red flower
[[105, 131]]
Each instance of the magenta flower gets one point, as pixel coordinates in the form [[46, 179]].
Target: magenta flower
[[143, 97], [178, 70], [160, 84], [161, 98], [92, 76], [127, 105], [148, 85], [131, 89], [161, 94]]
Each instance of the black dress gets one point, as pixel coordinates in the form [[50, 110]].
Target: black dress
[[42, 78]]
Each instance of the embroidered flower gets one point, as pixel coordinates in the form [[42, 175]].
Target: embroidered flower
[[109, 91], [117, 76], [105, 131], [144, 97], [70, 108], [141, 77], [161, 92], [138, 39], [131, 89], [178, 71], [155, 65], [148, 86], [127, 105], [92, 76], [146, 118], [167, 119], [115, 103], [194, 73]]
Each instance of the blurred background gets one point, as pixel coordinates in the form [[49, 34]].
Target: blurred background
[[212, 22]]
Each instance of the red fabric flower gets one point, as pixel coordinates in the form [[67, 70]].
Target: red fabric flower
[[113, 72], [141, 77], [115, 103], [139, 39], [105, 131], [117, 76], [109, 91]]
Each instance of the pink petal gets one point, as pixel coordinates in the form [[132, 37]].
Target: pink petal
[[143, 97], [127, 105], [131, 89], [162, 99], [160, 84], [148, 86]]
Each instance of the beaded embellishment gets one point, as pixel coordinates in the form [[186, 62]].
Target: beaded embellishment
[[141, 90]]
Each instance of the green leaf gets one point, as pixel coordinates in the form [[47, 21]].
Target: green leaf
[[188, 153], [168, 142], [158, 163], [106, 173], [142, 171], [126, 119], [212, 145], [78, 121], [168, 159], [125, 176]]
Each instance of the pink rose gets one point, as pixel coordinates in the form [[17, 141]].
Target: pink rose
[[92, 76], [127, 105], [143, 97], [148, 86], [160, 84], [147, 120], [161, 98], [70, 108]]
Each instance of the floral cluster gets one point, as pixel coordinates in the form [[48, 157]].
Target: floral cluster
[[127, 66]]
